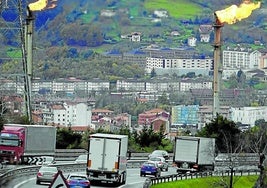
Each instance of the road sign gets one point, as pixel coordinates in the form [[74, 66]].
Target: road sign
[[59, 181]]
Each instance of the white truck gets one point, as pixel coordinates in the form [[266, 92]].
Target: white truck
[[107, 158], [194, 154]]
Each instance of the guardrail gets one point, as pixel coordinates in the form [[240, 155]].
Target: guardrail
[[65, 168], [176, 177]]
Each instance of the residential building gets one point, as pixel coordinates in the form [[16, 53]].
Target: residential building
[[161, 124], [199, 65], [146, 118], [187, 84], [185, 115], [205, 114], [67, 114], [192, 41], [135, 37], [248, 115], [205, 31], [240, 58]]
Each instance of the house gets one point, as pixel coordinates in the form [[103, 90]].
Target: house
[[135, 37], [161, 13], [205, 31], [146, 118], [192, 41], [161, 123], [107, 13], [175, 33], [98, 114]]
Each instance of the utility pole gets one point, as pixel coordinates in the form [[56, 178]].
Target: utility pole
[[12, 32]]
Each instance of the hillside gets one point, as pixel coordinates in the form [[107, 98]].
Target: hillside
[[67, 35]]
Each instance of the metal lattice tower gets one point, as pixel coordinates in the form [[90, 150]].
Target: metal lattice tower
[[12, 50]]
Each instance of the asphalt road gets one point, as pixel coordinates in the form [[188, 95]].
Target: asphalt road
[[133, 180]]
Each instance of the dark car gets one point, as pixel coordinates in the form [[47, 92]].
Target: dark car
[[150, 168], [46, 174], [159, 153], [78, 180]]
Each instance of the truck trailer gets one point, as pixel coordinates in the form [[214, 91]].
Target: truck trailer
[[27, 144], [194, 154], [107, 158]]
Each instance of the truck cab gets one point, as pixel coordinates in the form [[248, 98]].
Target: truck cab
[[11, 144]]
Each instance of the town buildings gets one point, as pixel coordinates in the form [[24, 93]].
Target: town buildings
[[197, 110]]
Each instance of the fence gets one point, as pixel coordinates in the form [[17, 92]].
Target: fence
[[176, 177]]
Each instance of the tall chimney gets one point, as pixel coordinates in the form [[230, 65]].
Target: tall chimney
[[217, 65]]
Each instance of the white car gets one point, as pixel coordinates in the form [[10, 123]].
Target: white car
[[81, 159], [159, 153], [160, 162]]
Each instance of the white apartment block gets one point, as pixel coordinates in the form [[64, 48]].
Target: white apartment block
[[71, 114], [130, 85], [248, 115], [241, 59], [188, 64], [69, 86], [187, 84]]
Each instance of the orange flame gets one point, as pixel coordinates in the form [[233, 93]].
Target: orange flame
[[234, 13], [42, 4]]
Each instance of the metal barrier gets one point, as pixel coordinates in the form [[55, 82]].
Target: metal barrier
[[176, 177], [32, 170]]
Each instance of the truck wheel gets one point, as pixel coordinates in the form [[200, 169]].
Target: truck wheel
[[38, 182]]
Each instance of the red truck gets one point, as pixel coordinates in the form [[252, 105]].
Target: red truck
[[27, 144]]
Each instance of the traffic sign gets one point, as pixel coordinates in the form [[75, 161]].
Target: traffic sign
[[59, 181]]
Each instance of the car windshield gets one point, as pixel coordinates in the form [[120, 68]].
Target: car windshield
[[149, 164], [78, 177], [157, 152], [48, 169], [155, 159]]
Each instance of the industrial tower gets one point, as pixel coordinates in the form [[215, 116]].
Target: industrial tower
[[13, 50]]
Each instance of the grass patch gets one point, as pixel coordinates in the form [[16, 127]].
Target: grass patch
[[176, 8], [214, 182]]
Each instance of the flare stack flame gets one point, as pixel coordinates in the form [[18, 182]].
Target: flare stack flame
[[42, 4], [236, 13]]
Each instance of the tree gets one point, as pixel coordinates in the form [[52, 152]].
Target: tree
[[153, 73], [228, 141], [222, 130], [67, 139]]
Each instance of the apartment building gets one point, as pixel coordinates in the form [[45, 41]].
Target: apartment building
[[68, 114], [201, 65], [184, 115], [187, 84], [248, 115], [69, 86], [241, 58]]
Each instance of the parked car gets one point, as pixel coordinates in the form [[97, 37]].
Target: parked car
[[78, 180], [81, 159], [160, 161], [159, 153], [150, 168], [46, 174]]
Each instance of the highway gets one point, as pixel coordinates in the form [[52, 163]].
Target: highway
[[133, 180]]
